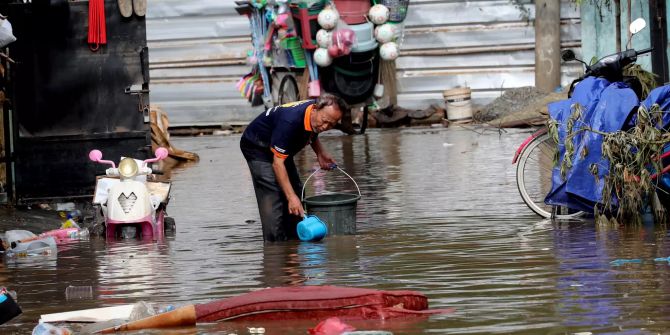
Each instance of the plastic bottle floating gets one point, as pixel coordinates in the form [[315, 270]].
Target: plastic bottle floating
[[70, 219], [619, 262]]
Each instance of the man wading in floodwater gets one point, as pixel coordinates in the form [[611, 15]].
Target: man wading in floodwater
[[269, 144]]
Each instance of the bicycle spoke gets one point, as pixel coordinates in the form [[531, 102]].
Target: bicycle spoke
[[534, 176]]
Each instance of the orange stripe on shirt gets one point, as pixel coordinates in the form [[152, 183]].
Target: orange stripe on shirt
[[308, 117], [278, 154]]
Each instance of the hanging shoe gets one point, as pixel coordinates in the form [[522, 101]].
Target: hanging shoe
[[126, 7], [140, 7]]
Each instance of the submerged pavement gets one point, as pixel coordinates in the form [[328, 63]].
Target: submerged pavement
[[440, 214]]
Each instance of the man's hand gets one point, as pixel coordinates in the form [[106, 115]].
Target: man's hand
[[325, 161], [295, 206]]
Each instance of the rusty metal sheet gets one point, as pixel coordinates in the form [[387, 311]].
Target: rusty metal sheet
[[485, 37]]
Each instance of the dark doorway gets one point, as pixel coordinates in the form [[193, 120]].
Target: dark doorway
[[67, 100]]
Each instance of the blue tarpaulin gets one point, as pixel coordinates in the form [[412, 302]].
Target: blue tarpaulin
[[606, 108]]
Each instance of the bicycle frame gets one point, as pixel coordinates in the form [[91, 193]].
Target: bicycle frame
[[523, 145], [544, 130]]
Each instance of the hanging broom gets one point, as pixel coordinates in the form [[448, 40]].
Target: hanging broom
[[303, 85], [387, 77], [387, 68]]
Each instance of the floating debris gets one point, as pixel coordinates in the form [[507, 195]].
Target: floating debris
[[619, 262]]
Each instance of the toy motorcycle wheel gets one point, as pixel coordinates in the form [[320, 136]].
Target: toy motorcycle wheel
[[533, 178], [169, 224]]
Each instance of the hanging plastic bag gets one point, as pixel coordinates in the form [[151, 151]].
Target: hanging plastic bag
[[331, 326], [344, 38], [6, 35]]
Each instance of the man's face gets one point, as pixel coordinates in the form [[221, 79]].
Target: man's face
[[326, 118]]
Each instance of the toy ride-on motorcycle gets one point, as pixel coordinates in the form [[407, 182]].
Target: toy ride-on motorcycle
[[132, 204]]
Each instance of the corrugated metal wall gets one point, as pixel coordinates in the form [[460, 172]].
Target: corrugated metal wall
[[198, 49]]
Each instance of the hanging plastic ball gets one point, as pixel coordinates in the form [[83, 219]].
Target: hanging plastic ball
[[389, 51], [328, 18], [322, 58], [386, 33], [379, 14], [324, 38]]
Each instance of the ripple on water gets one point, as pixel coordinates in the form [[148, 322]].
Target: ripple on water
[[445, 220]]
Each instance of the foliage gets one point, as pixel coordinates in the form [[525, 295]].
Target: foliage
[[632, 158], [647, 79]]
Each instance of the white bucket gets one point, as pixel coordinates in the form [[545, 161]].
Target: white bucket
[[459, 106]]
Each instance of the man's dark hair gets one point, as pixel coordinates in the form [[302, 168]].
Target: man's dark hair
[[328, 99]]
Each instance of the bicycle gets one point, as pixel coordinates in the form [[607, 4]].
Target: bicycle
[[535, 156]]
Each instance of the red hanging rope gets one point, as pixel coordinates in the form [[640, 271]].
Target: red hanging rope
[[97, 30]]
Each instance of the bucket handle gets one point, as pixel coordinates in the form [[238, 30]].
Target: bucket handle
[[302, 194]]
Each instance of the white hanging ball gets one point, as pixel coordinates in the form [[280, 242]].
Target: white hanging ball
[[385, 33], [389, 51], [322, 58], [379, 14], [328, 18], [324, 38]]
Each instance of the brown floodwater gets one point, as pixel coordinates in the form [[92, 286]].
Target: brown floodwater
[[440, 214]]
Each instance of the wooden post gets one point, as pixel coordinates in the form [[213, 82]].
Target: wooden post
[[547, 44]]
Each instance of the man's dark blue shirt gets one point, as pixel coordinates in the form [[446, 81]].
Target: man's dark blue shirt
[[280, 131]]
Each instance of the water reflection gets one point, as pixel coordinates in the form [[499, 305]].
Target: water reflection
[[587, 294], [598, 295], [309, 263], [313, 259], [440, 214], [281, 265], [127, 270]]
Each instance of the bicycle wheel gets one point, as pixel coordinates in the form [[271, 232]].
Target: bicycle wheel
[[288, 90], [533, 178]]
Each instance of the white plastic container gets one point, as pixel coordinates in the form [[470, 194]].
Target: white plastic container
[[18, 235], [43, 246]]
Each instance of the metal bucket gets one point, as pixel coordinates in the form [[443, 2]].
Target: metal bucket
[[337, 210]]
